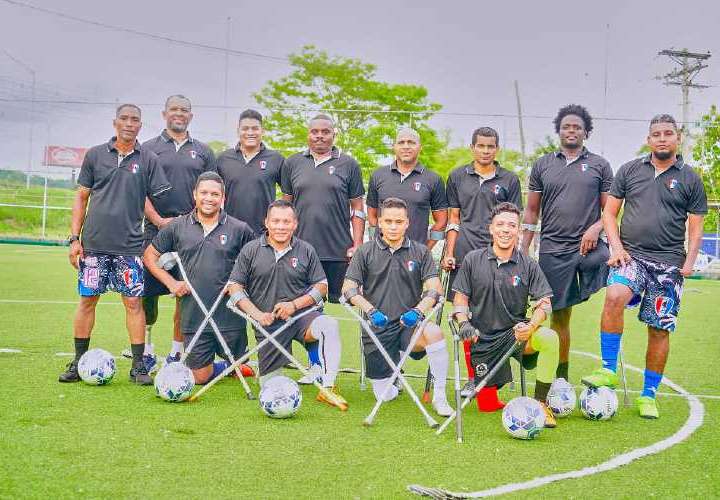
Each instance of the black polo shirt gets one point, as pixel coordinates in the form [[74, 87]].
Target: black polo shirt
[[113, 222], [656, 208], [322, 197], [392, 280], [498, 292], [422, 189], [269, 278], [570, 197], [208, 261], [181, 166], [250, 187], [476, 197]]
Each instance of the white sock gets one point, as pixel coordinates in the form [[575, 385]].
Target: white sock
[[327, 332], [379, 385], [438, 360], [177, 347], [149, 349]]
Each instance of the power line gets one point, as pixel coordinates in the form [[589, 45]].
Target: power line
[[185, 43]]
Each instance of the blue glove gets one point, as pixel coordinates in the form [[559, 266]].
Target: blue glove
[[411, 318], [377, 318]]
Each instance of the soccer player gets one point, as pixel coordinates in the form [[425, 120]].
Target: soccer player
[[182, 159], [207, 241], [277, 276], [393, 279], [570, 187], [422, 189], [659, 195], [106, 237], [473, 191], [490, 304], [251, 172]]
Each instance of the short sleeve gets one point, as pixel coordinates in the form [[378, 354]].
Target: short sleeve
[[607, 177], [535, 182], [438, 198], [452, 192], [157, 182], [372, 200], [428, 268], [277, 177], [164, 240], [210, 161], [357, 268], [515, 192], [241, 269], [697, 204], [538, 285], [316, 274], [355, 184], [462, 280], [86, 178], [286, 178], [617, 188]]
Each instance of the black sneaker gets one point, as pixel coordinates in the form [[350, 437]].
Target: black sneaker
[[70, 374], [139, 375]]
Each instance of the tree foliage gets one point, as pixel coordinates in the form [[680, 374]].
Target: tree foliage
[[706, 154]]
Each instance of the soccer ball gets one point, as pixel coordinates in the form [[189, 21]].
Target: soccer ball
[[561, 398], [280, 397], [174, 382], [523, 418], [96, 367], [599, 403]]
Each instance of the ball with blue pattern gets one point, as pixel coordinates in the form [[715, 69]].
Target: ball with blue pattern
[[174, 382], [598, 403], [280, 397], [96, 367], [561, 398], [523, 418]]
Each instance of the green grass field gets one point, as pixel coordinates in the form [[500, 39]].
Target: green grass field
[[68, 441]]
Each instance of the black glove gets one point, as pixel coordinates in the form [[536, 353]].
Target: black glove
[[467, 331]]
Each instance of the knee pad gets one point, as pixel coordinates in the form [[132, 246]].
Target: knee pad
[[545, 339]]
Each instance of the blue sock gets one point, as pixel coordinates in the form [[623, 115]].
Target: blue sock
[[218, 368], [313, 353], [609, 348], [651, 383]]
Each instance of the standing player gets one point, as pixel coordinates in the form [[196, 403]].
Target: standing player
[[660, 194], [473, 191], [275, 277], [182, 160], [421, 188], [393, 279], [106, 237], [251, 172], [207, 241], [491, 301], [570, 187]]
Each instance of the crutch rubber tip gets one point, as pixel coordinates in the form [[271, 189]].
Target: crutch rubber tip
[[367, 423], [251, 396], [433, 425], [426, 397]]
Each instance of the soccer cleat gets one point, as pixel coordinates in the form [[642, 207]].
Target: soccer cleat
[[602, 377], [333, 398], [468, 389], [314, 374], [127, 353], [247, 370], [139, 375], [441, 407], [647, 407], [71, 373], [550, 421], [150, 362], [173, 358]]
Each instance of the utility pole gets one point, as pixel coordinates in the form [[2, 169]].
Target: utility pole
[[689, 65], [520, 123]]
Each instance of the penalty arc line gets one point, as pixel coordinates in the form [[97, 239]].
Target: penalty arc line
[[693, 422]]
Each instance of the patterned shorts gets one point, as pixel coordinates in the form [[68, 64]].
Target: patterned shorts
[[100, 273], [656, 288]]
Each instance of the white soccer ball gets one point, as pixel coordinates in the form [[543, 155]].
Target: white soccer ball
[[561, 398], [174, 382], [96, 367], [523, 418], [599, 403], [280, 397]]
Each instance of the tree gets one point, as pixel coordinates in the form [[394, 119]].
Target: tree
[[452, 157], [217, 147], [543, 148], [706, 153], [367, 112]]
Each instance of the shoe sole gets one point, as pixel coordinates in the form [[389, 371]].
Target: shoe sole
[[340, 406], [595, 386], [68, 381]]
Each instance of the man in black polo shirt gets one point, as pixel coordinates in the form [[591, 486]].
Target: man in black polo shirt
[[421, 188], [207, 241], [182, 159], [326, 187], [275, 277], [661, 195], [473, 191], [392, 270], [106, 238], [490, 304], [570, 187], [251, 173]]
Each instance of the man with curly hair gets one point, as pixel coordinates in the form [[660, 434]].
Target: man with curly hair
[[569, 188]]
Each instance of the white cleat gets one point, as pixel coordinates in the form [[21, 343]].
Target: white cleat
[[442, 407], [314, 375]]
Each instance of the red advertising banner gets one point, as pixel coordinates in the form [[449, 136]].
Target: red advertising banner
[[64, 156]]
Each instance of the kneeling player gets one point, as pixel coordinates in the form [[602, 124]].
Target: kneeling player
[[392, 271], [274, 278], [490, 303], [207, 241]]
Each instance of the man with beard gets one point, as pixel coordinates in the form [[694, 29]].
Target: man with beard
[[570, 187], [661, 194]]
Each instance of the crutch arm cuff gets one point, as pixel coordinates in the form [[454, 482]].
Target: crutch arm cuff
[[236, 297]]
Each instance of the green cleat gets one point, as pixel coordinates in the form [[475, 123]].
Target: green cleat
[[647, 407], [602, 377]]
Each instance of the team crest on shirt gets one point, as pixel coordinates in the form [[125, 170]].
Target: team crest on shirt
[[673, 183], [294, 262], [223, 239], [134, 168], [584, 167], [515, 280], [663, 306], [411, 265], [331, 169], [193, 154], [417, 186], [263, 164], [497, 189]]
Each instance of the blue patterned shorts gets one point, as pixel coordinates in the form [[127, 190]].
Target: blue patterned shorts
[[100, 273], [657, 289]]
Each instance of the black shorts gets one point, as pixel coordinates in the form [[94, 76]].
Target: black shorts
[[335, 273], [485, 354], [574, 278], [153, 287], [395, 338], [269, 357], [207, 346]]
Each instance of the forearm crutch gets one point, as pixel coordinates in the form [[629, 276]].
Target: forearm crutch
[[626, 398], [458, 387], [445, 283]]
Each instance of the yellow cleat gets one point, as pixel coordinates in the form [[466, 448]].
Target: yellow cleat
[[332, 397], [550, 421]]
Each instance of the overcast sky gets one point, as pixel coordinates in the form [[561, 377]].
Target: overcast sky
[[466, 53]]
